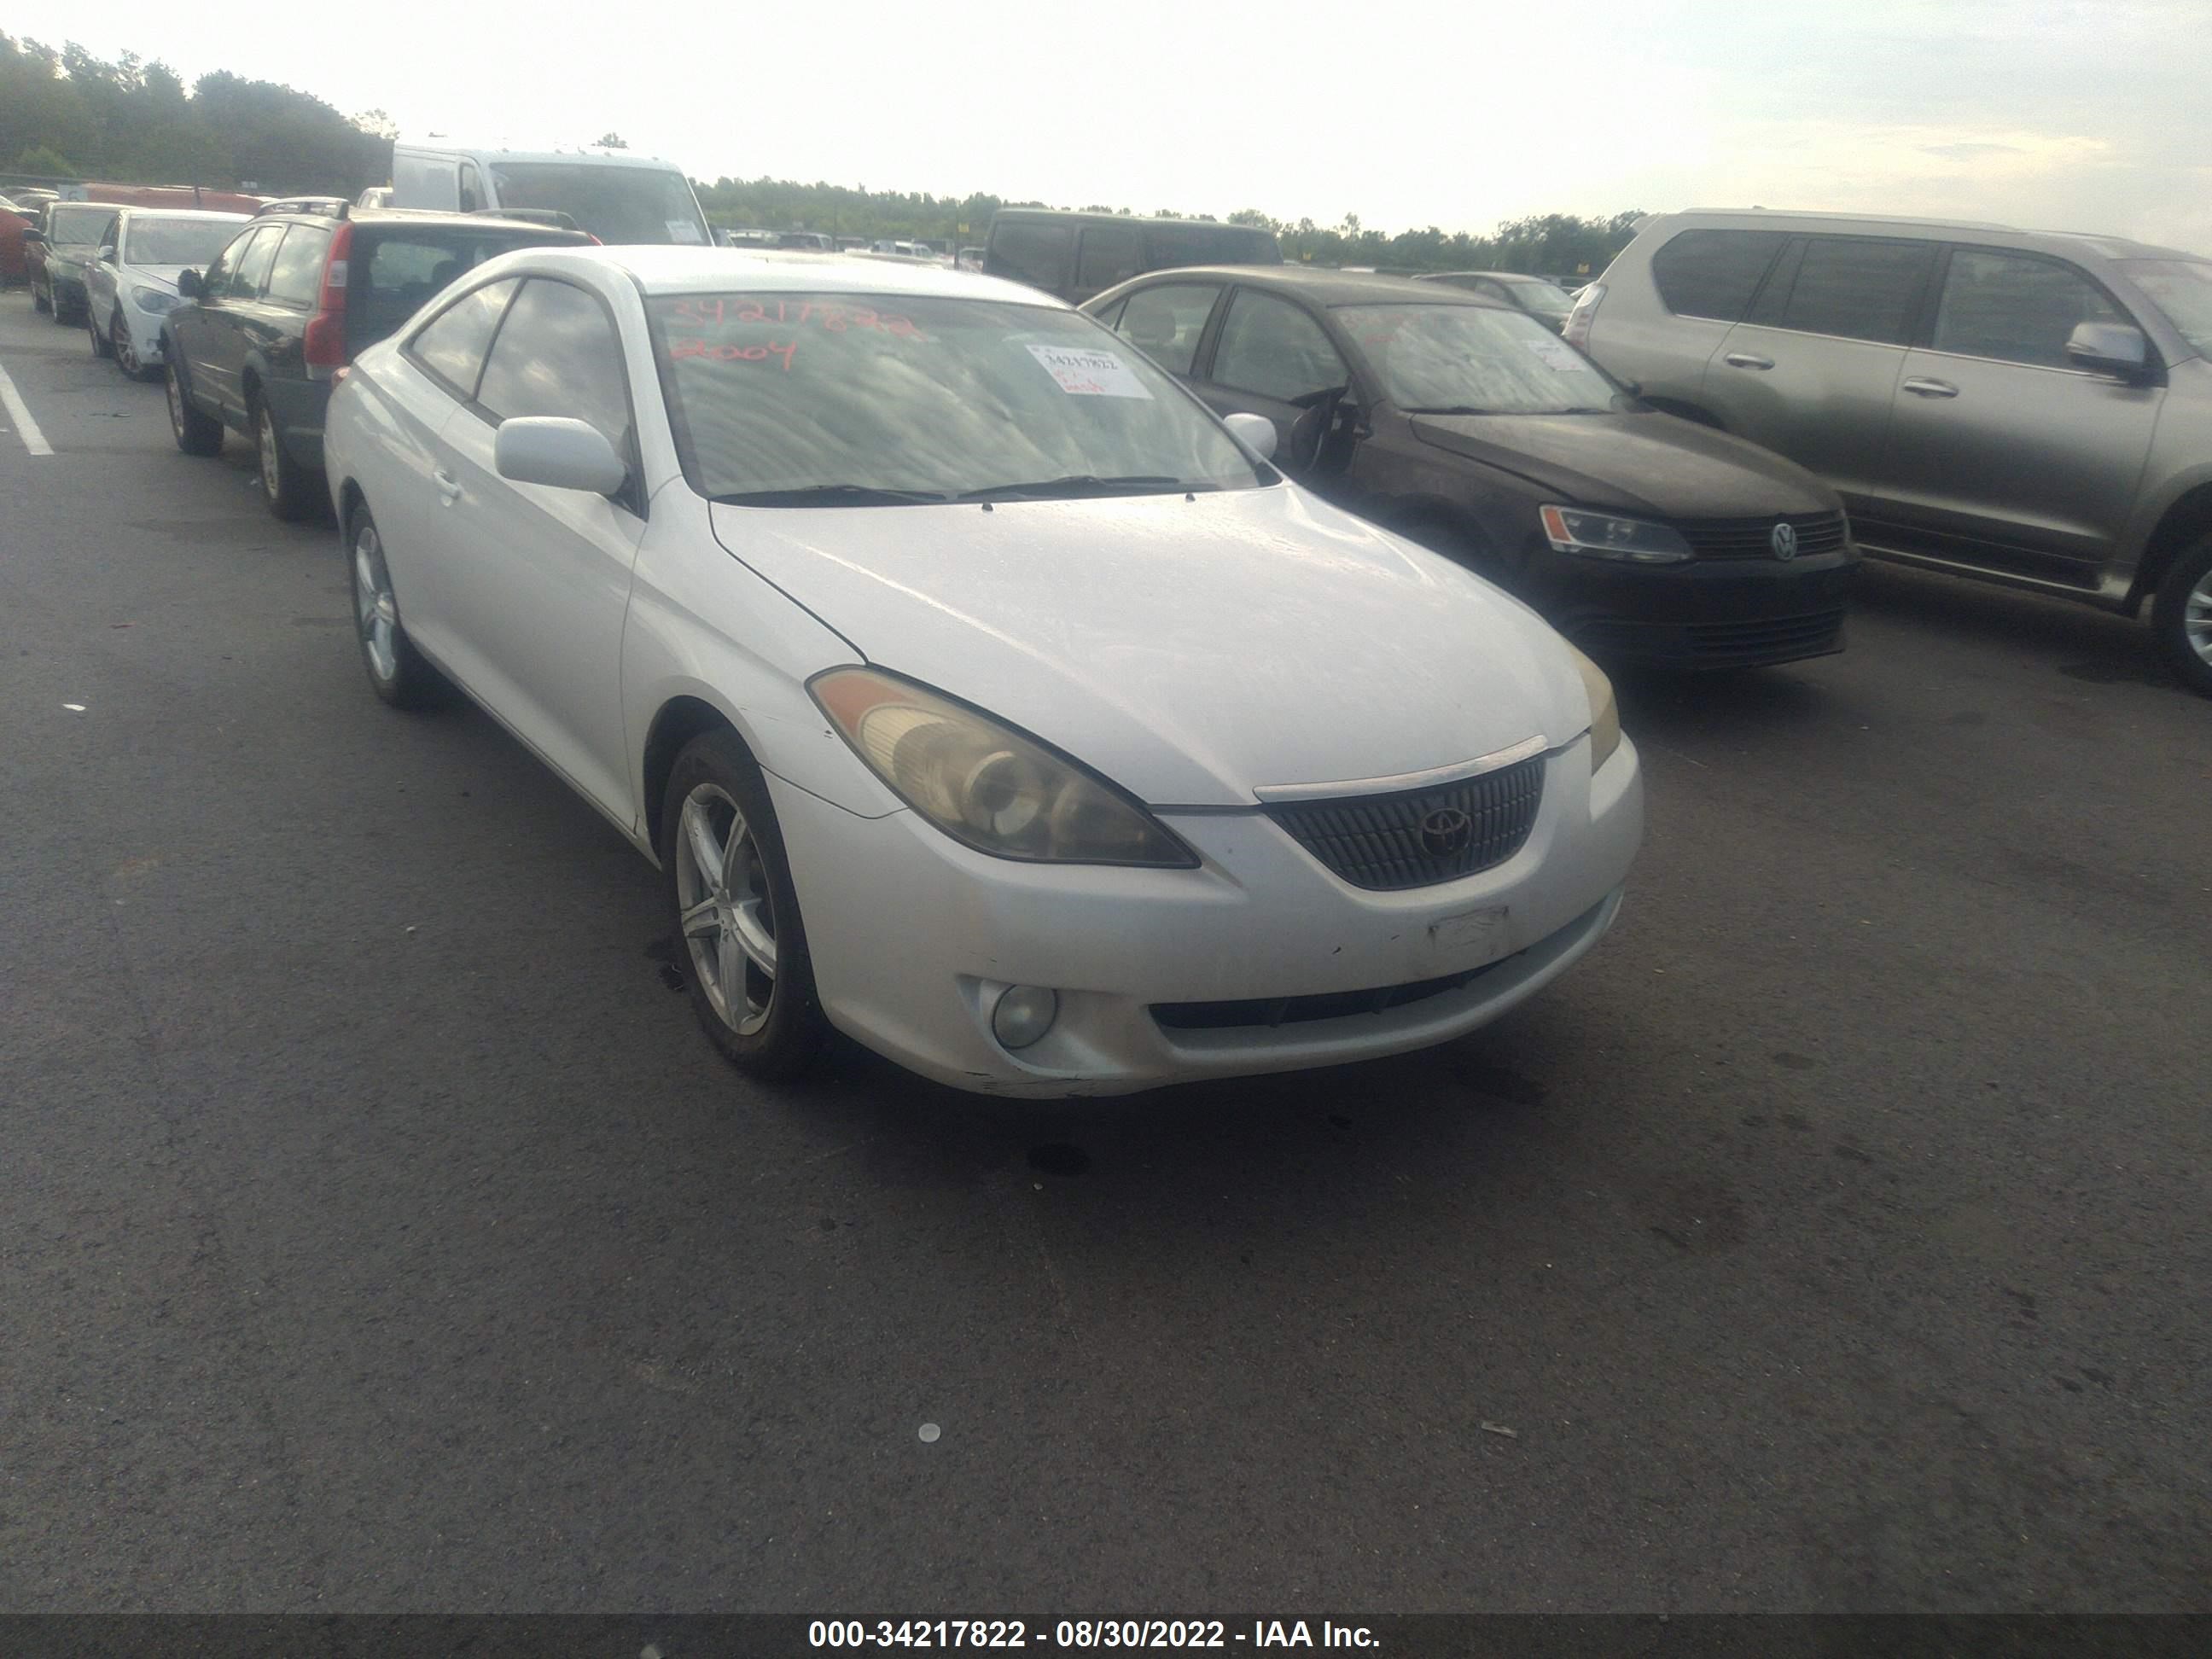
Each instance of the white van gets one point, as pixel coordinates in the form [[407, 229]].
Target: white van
[[616, 194]]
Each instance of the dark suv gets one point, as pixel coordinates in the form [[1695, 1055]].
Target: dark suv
[[265, 330], [59, 252]]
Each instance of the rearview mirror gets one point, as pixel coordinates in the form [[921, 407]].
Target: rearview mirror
[[2115, 348], [188, 284], [566, 454], [1256, 433]]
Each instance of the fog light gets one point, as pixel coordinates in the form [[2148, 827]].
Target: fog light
[[1022, 1014]]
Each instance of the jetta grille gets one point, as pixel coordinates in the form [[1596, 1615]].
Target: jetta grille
[[1419, 837], [1754, 538]]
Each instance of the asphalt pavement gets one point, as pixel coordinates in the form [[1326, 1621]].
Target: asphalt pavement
[[379, 1233]]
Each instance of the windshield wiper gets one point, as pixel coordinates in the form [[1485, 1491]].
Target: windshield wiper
[[1084, 483], [832, 494], [1451, 409]]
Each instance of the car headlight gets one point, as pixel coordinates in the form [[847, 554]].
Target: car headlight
[[153, 300], [1600, 536], [985, 784], [1605, 714]]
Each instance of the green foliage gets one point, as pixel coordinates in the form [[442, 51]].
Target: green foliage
[[69, 114]]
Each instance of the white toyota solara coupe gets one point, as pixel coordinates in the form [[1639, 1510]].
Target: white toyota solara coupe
[[977, 691]]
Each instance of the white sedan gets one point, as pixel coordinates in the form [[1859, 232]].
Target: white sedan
[[133, 285], [977, 691]]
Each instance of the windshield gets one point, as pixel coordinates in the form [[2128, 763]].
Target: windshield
[[78, 226], [175, 241], [619, 205], [1474, 360], [1533, 294], [2182, 289], [906, 398]]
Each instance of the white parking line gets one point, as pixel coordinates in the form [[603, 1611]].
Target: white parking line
[[20, 413]]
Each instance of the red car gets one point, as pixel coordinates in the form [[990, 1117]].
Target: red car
[[12, 226]]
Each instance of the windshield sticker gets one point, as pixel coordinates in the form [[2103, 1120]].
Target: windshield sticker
[[683, 230], [713, 311], [1084, 372], [1556, 354]]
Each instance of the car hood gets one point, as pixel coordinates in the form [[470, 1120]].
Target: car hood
[[1192, 650], [160, 276], [1645, 463]]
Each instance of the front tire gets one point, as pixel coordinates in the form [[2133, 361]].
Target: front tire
[[398, 672], [2181, 616], [100, 348], [40, 298], [286, 486], [196, 433], [736, 911], [126, 350], [55, 309]]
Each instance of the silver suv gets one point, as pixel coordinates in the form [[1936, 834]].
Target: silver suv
[[2020, 406]]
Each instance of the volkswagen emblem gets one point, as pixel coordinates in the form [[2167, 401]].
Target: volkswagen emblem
[[1784, 540], [1445, 832]]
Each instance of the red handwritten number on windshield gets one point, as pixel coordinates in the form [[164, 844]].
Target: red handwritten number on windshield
[[679, 350], [714, 311]]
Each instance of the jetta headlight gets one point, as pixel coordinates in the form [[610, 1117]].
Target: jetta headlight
[[1600, 535], [985, 784], [1605, 714], [153, 300]]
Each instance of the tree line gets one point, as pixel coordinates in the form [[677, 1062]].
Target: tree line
[[69, 115]]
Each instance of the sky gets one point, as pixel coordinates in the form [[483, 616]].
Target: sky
[[1459, 114]]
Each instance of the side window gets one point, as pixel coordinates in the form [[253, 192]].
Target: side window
[[1714, 273], [451, 344], [1032, 252], [1859, 290], [471, 188], [1165, 322], [1272, 350], [557, 354], [216, 280], [1110, 254], [252, 270], [297, 273], [2015, 309]]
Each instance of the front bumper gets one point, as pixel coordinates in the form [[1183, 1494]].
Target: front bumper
[[1170, 976], [1724, 613]]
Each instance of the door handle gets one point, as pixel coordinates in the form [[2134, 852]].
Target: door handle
[[1747, 360], [448, 485], [1931, 388]]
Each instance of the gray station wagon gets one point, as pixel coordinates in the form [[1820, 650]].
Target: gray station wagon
[[2020, 406]]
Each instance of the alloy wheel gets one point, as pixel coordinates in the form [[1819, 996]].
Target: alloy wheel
[[272, 481], [2197, 617], [176, 404], [376, 613], [125, 353], [727, 912]]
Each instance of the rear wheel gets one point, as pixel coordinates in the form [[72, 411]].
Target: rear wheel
[[287, 487], [397, 670], [196, 433], [2181, 616]]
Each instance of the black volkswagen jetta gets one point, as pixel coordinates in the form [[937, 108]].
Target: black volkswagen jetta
[[1467, 426]]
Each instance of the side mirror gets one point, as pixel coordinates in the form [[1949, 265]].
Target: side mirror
[[107, 254], [1256, 433], [188, 284], [36, 236], [547, 449], [2115, 348]]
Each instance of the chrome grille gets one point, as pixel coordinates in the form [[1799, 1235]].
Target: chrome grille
[[1413, 838], [1754, 538]]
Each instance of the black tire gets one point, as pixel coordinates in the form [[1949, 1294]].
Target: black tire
[[39, 301], [100, 348], [2181, 616], [61, 315], [291, 491], [196, 433], [397, 671], [791, 1029]]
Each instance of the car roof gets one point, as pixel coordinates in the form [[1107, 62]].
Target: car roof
[[540, 153], [669, 269], [2110, 247], [1328, 288], [178, 213], [374, 218]]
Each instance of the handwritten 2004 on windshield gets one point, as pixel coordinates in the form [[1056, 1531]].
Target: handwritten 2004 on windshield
[[715, 311]]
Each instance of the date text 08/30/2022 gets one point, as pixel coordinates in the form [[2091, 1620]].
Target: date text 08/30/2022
[[1086, 1633]]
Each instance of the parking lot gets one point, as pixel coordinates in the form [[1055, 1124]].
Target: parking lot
[[382, 1234]]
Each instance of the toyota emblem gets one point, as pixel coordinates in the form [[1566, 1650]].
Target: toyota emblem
[[1445, 832], [1784, 540]]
